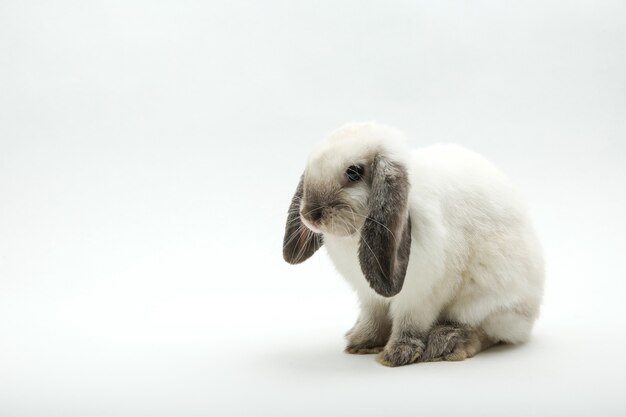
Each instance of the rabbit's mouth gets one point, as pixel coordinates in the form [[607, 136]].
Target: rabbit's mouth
[[338, 220]]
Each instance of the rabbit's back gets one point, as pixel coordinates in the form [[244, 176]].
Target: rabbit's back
[[491, 256]]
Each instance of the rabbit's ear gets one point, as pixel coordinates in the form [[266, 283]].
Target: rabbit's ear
[[385, 244], [299, 242]]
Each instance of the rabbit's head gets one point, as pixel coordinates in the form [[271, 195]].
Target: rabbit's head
[[356, 184]]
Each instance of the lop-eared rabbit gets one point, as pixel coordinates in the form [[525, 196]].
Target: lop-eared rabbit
[[436, 243]]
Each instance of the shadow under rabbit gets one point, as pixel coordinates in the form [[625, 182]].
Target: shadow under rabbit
[[332, 359]]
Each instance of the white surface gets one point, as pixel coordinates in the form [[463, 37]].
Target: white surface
[[148, 152]]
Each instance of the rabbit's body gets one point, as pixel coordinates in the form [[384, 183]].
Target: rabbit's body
[[436, 242], [474, 257]]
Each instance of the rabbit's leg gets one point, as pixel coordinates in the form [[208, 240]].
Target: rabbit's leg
[[412, 319], [413, 316], [404, 347], [454, 342], [408, 339], [372, 329]]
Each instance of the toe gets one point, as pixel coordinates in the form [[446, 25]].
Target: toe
[[399, 355], [457, 355]]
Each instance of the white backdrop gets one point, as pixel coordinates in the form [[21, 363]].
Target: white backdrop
[[148, 152]]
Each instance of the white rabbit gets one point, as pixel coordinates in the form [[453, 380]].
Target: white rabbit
[[436, 243]]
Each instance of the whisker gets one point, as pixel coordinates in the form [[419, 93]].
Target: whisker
[[306, 238], [298, 217], [371, 250], [369, 218], [292, 236]]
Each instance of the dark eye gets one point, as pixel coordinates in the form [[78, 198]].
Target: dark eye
[[354, 172]]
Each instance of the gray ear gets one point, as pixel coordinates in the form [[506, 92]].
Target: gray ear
[[386, 234], [299, 242]]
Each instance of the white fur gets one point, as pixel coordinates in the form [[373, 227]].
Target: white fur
[[475, 258]]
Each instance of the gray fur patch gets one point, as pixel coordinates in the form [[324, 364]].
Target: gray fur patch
[[454, 342], [404, 348], [443, 338], [386, 234], [299, 242]]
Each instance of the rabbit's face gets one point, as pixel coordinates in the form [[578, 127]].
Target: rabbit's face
[[335, 193], [356, 183]]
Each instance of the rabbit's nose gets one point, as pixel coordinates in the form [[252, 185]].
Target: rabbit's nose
[[316, 215], [313, 215]]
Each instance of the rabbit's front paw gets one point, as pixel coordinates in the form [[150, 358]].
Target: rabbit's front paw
[[401, 353]]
